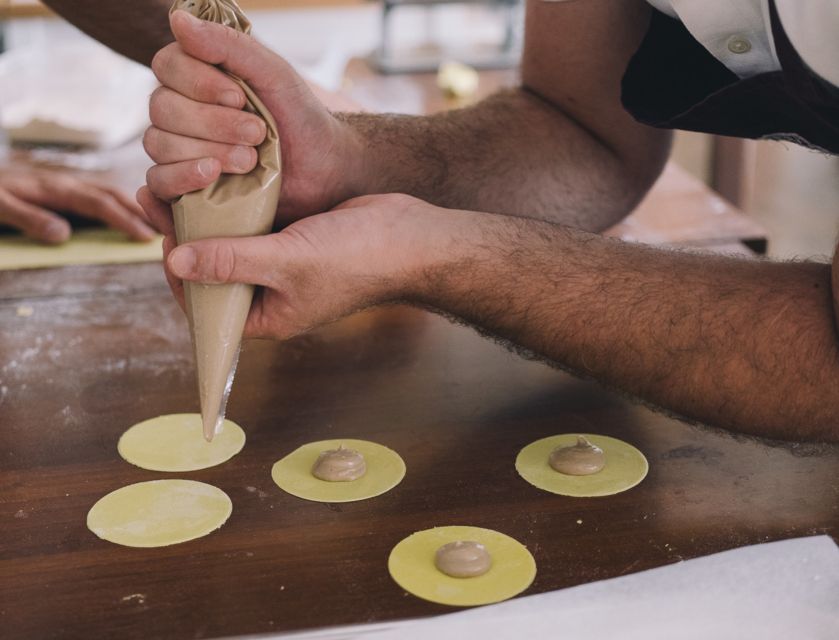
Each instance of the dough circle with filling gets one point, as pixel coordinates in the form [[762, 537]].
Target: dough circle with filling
[[412, 565], [176, 443], [293, 473], [625, 466], [159, 513]]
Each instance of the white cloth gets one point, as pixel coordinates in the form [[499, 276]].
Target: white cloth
[[775, 591], [738, 32]]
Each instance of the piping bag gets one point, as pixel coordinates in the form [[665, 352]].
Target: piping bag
[[233, 206]]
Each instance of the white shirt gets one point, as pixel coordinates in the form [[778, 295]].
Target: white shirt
[[738, 32]]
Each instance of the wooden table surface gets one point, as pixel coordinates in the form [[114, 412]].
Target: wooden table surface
[[106, 347]]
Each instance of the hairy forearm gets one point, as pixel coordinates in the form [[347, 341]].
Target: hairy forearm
[[746, 345], [513, 153], [136, 29]]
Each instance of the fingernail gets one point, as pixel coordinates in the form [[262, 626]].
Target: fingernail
[[207, 167], [241, 158], [146, 234], [182, 261], [250, 132], [230, 99], [57, 231]]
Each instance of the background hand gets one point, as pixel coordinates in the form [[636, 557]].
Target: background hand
[[29, 199]]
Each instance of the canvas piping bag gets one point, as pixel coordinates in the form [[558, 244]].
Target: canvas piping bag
[[232, 206]]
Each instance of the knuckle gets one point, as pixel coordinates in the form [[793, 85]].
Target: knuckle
[[199, 87], [159, 64], [224, 262], [232, 38], [151, 141], [4, 203], [398, 200], [162, 62], [155, 182], [62, 185], [106, 203], [102, 206], [58, 181], [157, 107]]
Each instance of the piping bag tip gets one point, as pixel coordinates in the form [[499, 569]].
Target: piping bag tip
[[213, 423], [209, 429]]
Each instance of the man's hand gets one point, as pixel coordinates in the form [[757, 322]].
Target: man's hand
[[200, 130], [747, 345], [317, 270], [29, 198]]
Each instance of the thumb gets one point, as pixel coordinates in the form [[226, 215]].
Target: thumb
[[235, 51], [225, 260]]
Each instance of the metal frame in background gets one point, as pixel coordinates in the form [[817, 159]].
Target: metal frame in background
[[507, 55]]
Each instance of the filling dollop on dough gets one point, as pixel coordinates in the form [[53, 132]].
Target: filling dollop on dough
[[339, 465], [463, 559], [581, 459]]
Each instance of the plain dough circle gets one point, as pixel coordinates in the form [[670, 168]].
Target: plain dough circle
[[176, 443], [411, 565], [159, 513], [625, 467], [293, 474]]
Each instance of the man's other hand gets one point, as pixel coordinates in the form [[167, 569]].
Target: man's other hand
[[29, 199]]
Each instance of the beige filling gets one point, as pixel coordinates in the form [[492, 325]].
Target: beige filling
[[339, 465], [580, 459], [233, 206], [463, 559]]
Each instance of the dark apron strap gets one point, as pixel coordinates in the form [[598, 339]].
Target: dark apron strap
[[673, 82]]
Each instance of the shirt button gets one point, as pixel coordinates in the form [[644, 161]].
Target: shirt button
[[739, 44]]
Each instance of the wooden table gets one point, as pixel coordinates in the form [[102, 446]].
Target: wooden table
[[105, 347]]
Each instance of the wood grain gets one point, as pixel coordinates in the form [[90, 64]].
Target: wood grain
[[106, 347]]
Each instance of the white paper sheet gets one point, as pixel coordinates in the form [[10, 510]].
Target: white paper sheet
[[780, 590]]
